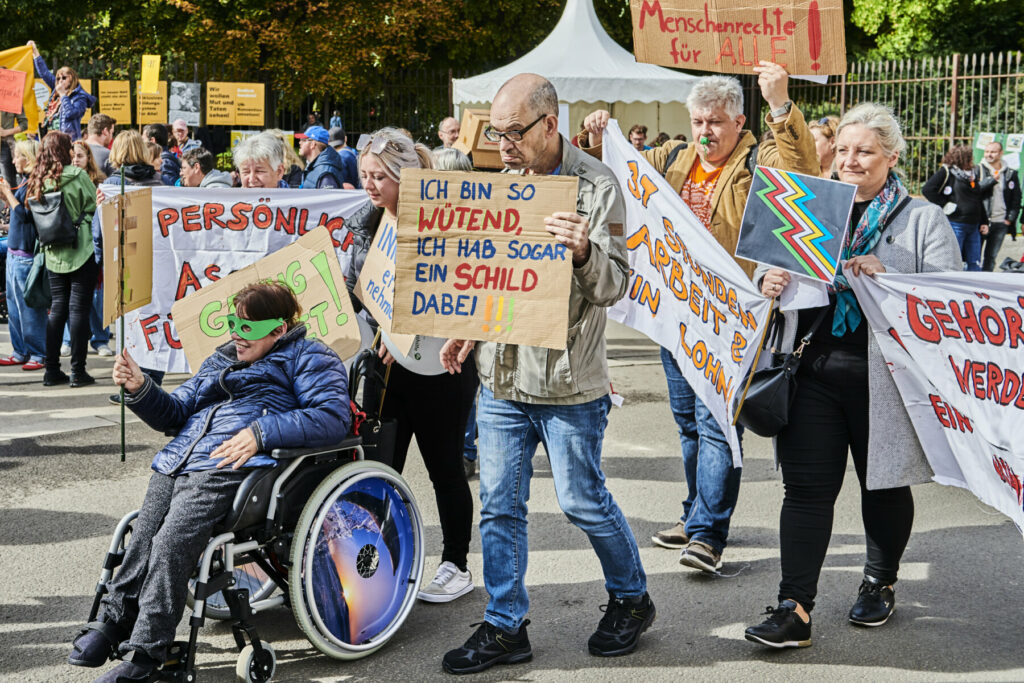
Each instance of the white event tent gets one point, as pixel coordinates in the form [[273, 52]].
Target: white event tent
[[591, 71]]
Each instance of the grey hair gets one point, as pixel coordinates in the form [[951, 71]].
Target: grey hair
[[544, 99], [397, 151], [880, 120], [451, 159], [712, 92], [263, 147]]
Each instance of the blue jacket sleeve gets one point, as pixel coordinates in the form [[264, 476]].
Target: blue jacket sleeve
[[323, 415], [44, 73], [74, 105], [163, 411], [170, 169]]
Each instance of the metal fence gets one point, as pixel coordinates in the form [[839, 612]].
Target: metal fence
[[941, 101]]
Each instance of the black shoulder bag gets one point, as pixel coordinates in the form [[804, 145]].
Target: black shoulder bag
[[53, 223]]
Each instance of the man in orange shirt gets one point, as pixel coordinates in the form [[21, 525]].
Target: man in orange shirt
[[713, 176]]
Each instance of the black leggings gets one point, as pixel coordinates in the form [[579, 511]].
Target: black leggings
[[831, 416], [72, 302], [435, 409]]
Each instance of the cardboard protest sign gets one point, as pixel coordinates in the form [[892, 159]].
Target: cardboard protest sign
[[12, 90], [138, 251], [235, 104], [731, 36], [152, 107], [116, 100], [685, 291], [20, 59], [796, 222], [952, 343], [150, 74], [308, 266], [375, 286], [472, 142], [475, 261]]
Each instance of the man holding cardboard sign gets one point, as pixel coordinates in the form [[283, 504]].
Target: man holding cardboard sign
[[531, 395], [713, 177]]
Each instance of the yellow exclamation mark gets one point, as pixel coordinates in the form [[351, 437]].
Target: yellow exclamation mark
[[501, 304], [487, 313]]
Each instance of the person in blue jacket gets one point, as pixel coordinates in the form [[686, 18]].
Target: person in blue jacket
[[68, 100], [269, 387], [324, 168]]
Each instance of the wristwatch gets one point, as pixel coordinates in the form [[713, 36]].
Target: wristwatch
[[783, 110]]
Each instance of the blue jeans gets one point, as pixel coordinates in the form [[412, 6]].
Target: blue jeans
[[968, 236], [27, 325], [713, 484], [572, 436]]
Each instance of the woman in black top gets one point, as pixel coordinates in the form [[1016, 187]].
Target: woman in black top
[[959, 189]]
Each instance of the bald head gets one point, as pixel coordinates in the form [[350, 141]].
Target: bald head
[[533, 95], [526, 108], [448, 131]]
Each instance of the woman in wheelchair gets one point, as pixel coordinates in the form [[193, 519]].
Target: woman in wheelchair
[[269, 387]]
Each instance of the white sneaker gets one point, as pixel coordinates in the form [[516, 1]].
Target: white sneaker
[[104, 350], [449, 583], [65, 350]]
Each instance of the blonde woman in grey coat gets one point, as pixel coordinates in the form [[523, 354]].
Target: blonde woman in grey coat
[[845, 393]]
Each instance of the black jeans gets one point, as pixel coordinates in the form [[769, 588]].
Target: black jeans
[[72, 302], [992, 243], [435, 409], [830, 416]]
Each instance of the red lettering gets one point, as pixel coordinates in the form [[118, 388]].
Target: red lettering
[[726, 51], [924, 328], [212, 273], [1013, 327], [978, 377], [995, 336], [961, 377], [149, 329], [171, 341], [650, 9], [940, 410], [239, 220], [968, 321], [185, 280], [212, 214], [262, 216], [190, 218], [938, 309], [995, 378], [165, 218], [776, 51], [1011, 387]]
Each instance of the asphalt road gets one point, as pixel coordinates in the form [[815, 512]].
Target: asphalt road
[[959, 614]]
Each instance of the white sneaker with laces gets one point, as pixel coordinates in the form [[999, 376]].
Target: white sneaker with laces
[[65, 350], [449, 583], [104, 350]]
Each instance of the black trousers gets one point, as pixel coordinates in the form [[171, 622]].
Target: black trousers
[[435, 409], [72, 302], [830, 417], [992, 243], [7, 161]]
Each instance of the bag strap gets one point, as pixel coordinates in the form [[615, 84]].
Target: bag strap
[[810, 333], [672, 154], [896, 212]]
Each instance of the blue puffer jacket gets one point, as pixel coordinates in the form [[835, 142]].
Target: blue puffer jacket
[[326, 171], [295, 396], [72, 106]]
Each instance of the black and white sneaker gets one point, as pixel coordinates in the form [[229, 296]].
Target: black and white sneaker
[[488, 646], [875, 603], [783, 628], [624, 621]]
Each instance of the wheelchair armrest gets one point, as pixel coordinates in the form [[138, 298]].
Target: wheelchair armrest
[[292, 453]]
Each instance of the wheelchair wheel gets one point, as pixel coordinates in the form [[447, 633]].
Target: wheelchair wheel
[[248, 575], [358, 556], [253, 667]]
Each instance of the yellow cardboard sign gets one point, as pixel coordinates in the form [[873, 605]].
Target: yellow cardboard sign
[[152, 107], [138, 251], [235, 104], [731, 36], [150, 74], [475, 260], [116, 100], [86, 84], [309, 266]]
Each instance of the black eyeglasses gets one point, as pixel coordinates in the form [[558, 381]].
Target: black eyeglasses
[[512, 135]]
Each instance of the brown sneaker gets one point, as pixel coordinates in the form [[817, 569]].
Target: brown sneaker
[[674, 537], [701, 556]]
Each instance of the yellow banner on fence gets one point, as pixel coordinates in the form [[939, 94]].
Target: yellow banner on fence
[[150, 74], [116, 100], [235, 104], [20, 59], [152, 107]]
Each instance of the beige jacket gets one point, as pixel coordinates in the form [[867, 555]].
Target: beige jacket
[[792, 149], [579, 372]]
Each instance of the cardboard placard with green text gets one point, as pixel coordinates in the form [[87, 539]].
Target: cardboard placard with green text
[[475, 260], [138, 251], [733, 36], [309, 266]]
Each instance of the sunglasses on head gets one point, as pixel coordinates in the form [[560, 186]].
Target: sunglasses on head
[[253, 330]]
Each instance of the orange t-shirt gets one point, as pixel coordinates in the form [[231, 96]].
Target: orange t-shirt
[[697, 191]]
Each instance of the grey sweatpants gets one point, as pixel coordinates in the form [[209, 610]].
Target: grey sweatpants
[[146, 597]]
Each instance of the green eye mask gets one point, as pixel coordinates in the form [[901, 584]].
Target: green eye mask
[[251, 330]]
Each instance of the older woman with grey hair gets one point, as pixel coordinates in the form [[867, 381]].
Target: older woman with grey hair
[[433, 408], [846, 398], [260, 161]]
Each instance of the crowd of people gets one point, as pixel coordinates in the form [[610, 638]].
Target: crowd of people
[[497, 403]]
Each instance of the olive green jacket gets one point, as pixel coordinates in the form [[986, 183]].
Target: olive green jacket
[[577, 373], [80, 200]]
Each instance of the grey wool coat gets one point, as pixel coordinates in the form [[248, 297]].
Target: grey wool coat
[[918, 240]]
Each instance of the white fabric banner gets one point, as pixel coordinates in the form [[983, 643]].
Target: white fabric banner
[[201, 235], [685, 291], [953, 342]]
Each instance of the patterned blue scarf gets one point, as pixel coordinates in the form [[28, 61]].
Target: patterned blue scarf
[[863, 239]]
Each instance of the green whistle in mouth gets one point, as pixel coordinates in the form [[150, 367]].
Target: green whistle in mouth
[[704, 141]]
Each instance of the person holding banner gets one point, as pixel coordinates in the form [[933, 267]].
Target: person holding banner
[[560, 398], [269, 387], [260, 161], [433, 408], [68, 100], [846, 399], [713, 177]]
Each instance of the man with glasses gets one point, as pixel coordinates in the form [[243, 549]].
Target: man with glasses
[[448, 131], [558, 398], [197, 170]]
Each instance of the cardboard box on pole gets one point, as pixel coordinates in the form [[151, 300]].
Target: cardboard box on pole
[[471, 139], [138, 251]]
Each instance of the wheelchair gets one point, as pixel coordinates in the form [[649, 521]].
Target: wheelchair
[[339, 535]]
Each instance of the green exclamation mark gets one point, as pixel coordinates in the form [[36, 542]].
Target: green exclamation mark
[[319, 262]]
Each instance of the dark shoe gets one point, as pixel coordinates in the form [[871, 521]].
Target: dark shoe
[[783, 628], [136, 667], [52, 379], [875, 604], [82, 379], [115, 399], [700, 555], [487, 647], [674, 537], [95, 644], [619, 630], [470, 466]]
